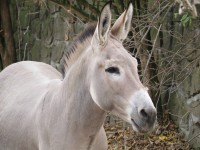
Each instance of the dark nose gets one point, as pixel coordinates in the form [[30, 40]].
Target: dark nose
[[148, 115]]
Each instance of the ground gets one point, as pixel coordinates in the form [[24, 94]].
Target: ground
[[164, 137]]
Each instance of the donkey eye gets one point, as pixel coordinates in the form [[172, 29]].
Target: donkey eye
[[113, 70]]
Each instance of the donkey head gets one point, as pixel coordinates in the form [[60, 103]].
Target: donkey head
[[114, 84]]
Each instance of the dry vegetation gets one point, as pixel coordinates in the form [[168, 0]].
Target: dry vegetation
[[165, 137]]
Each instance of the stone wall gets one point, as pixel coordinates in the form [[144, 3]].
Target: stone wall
[[184, 103], [42, 32], [184, 90]]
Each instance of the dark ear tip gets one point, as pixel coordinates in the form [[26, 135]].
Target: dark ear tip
[[131, 3], [108, 3]]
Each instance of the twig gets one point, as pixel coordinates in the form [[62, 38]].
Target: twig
[[73, 10], [153, 48]]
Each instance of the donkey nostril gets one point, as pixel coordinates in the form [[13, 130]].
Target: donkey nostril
[[143, 113]]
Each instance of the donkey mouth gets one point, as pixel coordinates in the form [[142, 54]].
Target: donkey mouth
[[139, 129]]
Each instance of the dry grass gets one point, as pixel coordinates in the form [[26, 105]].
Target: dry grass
[[165, 137]]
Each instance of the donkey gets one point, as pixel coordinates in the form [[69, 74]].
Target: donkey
[[42, 109]]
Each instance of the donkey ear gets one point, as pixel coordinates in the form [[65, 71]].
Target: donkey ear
[[103, 25], [122, 25]]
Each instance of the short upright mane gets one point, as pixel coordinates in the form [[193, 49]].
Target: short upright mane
[[82, 41]]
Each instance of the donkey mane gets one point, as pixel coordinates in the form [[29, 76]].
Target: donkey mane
[[77, 47]]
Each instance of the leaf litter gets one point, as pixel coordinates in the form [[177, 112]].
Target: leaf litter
[[165, 137]]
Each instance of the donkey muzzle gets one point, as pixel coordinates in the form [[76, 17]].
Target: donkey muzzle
[[143, 114], [145, 119]]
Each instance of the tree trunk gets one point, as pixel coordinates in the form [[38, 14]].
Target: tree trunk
[[7, 51]]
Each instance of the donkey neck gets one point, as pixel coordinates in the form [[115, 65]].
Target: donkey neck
[[84, 117]]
